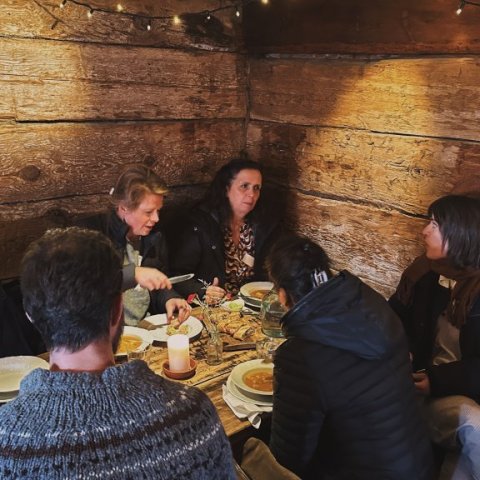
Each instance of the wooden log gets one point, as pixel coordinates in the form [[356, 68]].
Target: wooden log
[[416, 96], [44, 19], [356, 26], [91, 82], [22, 223], [375, 244], [46, 161], [393, 171]]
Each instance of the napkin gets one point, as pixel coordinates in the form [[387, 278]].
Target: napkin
[[243, 409]]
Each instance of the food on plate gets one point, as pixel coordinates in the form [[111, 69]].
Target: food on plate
[[235, 324], [129, 343], [173, 329], [259, 293], [259, 379], [235, 305]]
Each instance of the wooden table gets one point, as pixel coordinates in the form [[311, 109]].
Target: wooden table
[[211, 378]]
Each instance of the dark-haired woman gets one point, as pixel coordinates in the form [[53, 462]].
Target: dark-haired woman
[[227, 234], [344, 401], [136, 202], [438, 300]]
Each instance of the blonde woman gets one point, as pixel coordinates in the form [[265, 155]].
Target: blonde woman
[[137, 199]]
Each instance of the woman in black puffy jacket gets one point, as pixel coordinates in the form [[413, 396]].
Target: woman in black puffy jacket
[[344, 400]]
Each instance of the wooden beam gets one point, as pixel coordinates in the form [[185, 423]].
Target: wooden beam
[[359, 26], [44, 19], [392, 171], [103, 82], [417, 96], [46, 161]]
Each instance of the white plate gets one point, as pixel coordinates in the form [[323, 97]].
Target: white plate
[[248, 288], [139, 332], [158, 319], [234, 305], [12, 371], [240, 370], [196, 327], [264, 400]]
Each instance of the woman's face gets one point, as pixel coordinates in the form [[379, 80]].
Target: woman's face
[[434, 248], [244, 191], [142, 219]]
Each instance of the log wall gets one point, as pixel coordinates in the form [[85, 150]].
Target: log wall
[[80, 99], [366, 114]]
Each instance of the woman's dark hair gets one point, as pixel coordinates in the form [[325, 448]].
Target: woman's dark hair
[[292, 264], [70, 281], [216, 197], [458, 217], [134, 183]]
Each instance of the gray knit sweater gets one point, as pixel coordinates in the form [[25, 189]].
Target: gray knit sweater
[[126, 423]]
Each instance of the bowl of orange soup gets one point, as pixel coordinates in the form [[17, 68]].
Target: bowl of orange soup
[[254, 292], [254, 376], [133, 339]]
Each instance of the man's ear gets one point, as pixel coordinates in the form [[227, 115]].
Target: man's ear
[[116, 314]]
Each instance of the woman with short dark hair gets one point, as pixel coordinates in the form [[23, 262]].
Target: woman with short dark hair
[[226, 235], [344, 402], [438, 300]]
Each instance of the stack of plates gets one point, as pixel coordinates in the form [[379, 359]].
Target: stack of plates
[[13, 370], [238, 388], [252, 293]]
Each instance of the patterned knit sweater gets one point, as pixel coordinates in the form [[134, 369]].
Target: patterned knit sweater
[[125, 423]]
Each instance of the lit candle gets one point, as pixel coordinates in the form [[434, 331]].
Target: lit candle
[[178, 353]]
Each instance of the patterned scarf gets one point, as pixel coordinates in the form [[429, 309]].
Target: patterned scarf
[[463, 295], [236, 270]]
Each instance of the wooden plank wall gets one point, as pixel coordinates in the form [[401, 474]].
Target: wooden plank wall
[[366, 112], [80, 99]]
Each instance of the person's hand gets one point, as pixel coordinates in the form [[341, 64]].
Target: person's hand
[[151, 278], [177, 305], [422, 383], [214, 293]]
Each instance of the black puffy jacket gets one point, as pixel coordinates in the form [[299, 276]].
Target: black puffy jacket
[[344, 402]]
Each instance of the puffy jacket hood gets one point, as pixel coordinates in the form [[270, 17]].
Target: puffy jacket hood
[[346, 313]]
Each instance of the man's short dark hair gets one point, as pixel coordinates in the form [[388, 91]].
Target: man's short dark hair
[[70, 281]]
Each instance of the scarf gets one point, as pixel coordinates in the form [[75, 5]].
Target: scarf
[[462, 296]]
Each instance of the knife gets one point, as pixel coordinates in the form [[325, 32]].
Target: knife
[[240, 346], [181, 278]]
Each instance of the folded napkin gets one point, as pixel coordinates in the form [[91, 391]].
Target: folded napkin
[[243, 409]]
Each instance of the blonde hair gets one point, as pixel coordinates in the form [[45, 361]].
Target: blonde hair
[[133, 184]]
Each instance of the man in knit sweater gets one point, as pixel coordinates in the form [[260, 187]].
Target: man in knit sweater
[[86, 418]]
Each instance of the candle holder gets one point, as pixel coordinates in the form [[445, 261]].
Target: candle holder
[[182, 375]]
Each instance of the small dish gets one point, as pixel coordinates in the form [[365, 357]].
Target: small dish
[[254, 292], [183, 375], [139, 333], [234, 305]]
